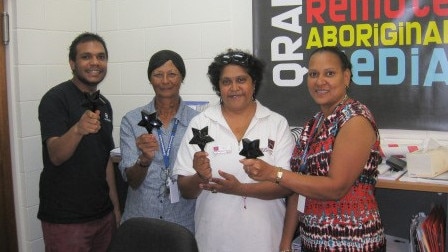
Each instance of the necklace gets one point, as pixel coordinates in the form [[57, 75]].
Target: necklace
[[342, 102], [326, 109]]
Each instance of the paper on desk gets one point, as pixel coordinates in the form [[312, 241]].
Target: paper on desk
[[430, 144], [386, 173], [392, 175], [442, 179], [429, 162], [398, 149]]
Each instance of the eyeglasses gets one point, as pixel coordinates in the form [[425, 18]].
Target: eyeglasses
[[240, 58]]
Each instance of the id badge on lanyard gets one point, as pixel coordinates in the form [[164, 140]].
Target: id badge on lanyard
[[170, 182]]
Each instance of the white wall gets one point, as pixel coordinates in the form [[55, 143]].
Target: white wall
[[37, 58], [197, 30]]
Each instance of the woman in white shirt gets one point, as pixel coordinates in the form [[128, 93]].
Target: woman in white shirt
[[234, 212]]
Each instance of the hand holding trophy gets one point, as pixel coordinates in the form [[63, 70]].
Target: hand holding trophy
[[201, 138], [93, 101], [251, 149], [150, 121]]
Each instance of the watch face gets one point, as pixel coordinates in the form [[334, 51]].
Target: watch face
[[279, 175]]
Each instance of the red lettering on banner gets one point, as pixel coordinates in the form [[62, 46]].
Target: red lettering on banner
[[419, 11], [440, 7], [335, 7], [364, 10], [314, 10], [377, 10], [356, 10], [389, 13]]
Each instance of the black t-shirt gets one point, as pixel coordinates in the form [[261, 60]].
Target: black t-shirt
[[75, 191]]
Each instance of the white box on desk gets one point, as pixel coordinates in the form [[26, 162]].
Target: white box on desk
[[427, 164]]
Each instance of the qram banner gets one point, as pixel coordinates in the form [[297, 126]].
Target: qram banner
[[398, 49]]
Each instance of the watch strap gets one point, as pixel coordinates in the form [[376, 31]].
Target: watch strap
[[279, 175], [139, 163]]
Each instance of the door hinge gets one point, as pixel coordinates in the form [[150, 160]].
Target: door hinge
[[5, 28]]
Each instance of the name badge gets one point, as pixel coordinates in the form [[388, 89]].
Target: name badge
[[221, 149], [301, 203], [174, 191]]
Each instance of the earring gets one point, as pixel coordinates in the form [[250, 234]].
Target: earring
[[253, 94]]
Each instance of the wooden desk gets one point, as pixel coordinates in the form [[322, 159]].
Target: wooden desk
[[412, 186]]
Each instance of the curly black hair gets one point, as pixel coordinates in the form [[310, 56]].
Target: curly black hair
[[251, 64]]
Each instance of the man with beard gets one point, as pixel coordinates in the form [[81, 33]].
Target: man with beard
[[79, 206]]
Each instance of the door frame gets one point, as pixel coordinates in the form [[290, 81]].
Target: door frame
[[8, 229]]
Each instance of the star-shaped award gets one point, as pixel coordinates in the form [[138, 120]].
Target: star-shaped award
[[251, 149], [150, 121], [93, 101], [201, 137]]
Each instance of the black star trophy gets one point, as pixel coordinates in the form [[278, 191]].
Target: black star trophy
[[251, 149], [150, 121], [93, 101], [201, 137]]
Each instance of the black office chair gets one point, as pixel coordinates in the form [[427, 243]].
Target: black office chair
[[148, 234]]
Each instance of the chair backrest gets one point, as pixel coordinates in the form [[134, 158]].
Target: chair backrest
[[152, 235]]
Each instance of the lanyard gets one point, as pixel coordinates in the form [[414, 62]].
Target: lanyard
[[166, 152], [314, 135], [314, 130]]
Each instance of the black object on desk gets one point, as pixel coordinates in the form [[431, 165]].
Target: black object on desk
[[396, 164]]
